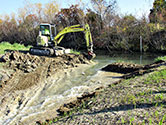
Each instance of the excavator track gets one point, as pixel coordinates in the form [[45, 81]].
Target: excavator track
[[41, 51]]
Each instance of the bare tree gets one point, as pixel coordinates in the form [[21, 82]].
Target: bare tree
[[102, 7], [50, 10]]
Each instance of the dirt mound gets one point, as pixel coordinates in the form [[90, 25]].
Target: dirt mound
[[29, 63], [122, 67], [131, 70], [31, 70], [24, 62]]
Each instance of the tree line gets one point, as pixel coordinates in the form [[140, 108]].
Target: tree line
[[110, 30]]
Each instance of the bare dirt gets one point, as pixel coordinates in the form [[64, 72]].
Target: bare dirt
[[126, 68], [122, 67], [29, 69]]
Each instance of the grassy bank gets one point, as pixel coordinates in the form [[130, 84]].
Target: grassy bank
[[161, 58], [140, 100], [7, 46]]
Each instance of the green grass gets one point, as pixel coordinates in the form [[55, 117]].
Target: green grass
[[156, 78], [7, 46], [161, 58]]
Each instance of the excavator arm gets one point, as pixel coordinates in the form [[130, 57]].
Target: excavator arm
[[76, 28]]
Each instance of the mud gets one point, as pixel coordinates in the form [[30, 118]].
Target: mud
[[28, 63], [23, 75], [122, 67], [67, 107], [126, 68], [33, 69]]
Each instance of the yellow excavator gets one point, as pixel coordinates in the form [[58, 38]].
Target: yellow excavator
[[48, 40]]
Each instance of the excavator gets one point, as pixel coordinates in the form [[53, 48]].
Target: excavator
[[48, 40]]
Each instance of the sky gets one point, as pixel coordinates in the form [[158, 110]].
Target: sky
[[135, 7]]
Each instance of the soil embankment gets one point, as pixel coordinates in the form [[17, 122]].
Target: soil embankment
[[33, 69], [131, 70]]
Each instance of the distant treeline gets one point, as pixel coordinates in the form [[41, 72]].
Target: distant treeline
[[110, 31]]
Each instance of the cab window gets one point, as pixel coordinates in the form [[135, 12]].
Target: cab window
[[44, 29]]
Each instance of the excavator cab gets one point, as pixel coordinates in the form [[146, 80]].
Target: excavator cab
[[46, 36]]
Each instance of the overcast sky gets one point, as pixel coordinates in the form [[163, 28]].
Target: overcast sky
[[135, 7]]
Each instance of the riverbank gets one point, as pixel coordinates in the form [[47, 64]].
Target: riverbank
[[139, 99]]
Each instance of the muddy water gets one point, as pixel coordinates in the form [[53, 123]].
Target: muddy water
[[137, 58], [66, 86]]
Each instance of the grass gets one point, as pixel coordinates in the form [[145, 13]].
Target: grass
[[161, 58], [156, 78], [7, 46], [162, 120]]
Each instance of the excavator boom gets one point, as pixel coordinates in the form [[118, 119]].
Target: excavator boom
[[76, 28]]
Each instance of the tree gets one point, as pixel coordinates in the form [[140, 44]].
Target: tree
[[94, 20], [104, 8], [38, 8], [68, 17], [104, 13], [50, 10], [158, 12]]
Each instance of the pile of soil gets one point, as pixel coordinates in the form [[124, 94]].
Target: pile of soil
[[129, 68], [122, 67], [20, 61], [28, 63], [30, 69]]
